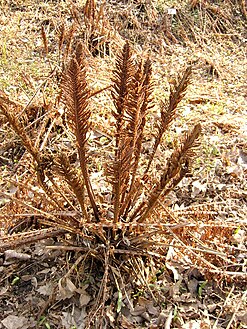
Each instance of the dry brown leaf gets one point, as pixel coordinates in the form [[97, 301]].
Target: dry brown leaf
[[15, 322]]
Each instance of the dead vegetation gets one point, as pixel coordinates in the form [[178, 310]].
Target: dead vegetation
[[96, 167]]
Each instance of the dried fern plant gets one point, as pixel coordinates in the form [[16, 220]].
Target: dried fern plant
[[125, 223]]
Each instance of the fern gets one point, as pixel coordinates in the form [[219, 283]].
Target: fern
[[71, 205], [76, 95], [132, 98]]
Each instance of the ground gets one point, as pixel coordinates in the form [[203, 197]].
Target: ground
[[198, 277]]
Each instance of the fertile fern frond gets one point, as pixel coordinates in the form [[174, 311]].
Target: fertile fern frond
[[126, 116], [75, 94], [118, 175], [178, 89], [176, 168], [131, 96], [168, 109], [9, 111], [141, 102], [122, 84], [72, 178]]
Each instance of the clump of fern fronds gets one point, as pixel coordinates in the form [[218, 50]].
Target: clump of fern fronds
[[132, 98], [127, 220]]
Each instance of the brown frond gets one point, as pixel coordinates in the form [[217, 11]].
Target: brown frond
[[148, 86], [146, 103], [168, 109], [43, 174], [89, 10], [64, 168], [21, 239], [17, 126], [69, 38], [130, 96], [141, 102], [75, 94], [176, 168], [178, 88], [139, 99], [79, 53], [132, 119], [45, 41], [122, 83], [125, 95], [118, 175], [189, 142], [180, 156], [61, 37]]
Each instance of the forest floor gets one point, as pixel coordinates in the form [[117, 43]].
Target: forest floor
[[42, 286]]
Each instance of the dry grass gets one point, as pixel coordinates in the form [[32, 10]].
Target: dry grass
[[203, 219]]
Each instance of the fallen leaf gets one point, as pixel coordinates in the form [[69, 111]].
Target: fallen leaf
[[197, 188], [15, 322], [84, 299], [66, 288], [45, 289]]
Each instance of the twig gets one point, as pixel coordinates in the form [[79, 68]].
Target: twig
[[222, 309], [236, 310]]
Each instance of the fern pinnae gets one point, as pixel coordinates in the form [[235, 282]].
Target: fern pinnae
[[119, 169], [190, 141], [79, 54], [75, 96], [178, 88], [162, 189], [19, 129], [144, 103], [45, 41], [177, 167], [49, 190], [168, 109], [61, 38], [64, 168], [146, 90], [133, 121], [118, 172], [122, 79], [69, 39]]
